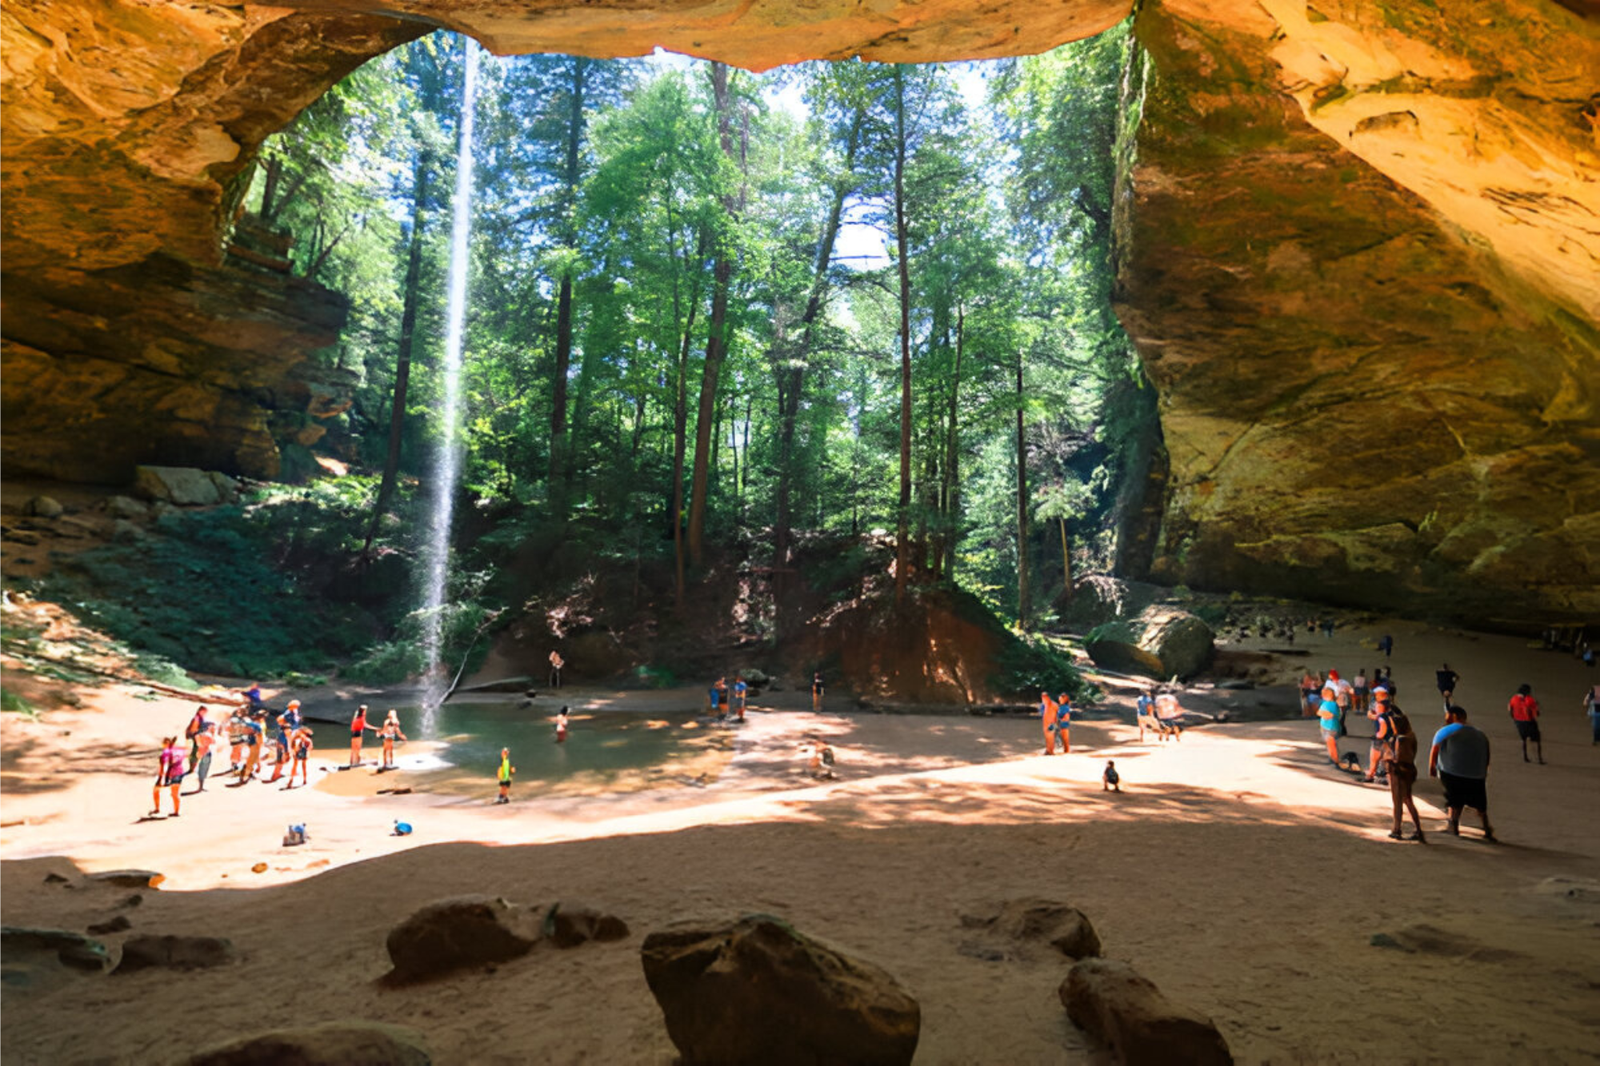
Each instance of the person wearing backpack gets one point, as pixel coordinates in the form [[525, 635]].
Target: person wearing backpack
[[1399, 742]]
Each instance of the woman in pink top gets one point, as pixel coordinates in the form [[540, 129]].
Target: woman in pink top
[[168, 775]]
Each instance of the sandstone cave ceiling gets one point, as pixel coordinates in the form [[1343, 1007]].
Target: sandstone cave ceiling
[[1326, 204]]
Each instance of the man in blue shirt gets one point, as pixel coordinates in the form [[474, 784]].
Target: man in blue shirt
[[1460, 759]]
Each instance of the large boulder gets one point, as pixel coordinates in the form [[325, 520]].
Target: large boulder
[[182, 485], [1098, 599], [1160, 642], [759, 991], [150, 952], [452, 934], [331, 1044], [1109, 1000]]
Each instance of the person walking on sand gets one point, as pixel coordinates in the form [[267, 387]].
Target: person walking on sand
[[816, 691], [169, 773], [1447, 680], [358, 731], [506, 771], [1167, 714], [254, 731], [1111, 781], [1591, 702], [1400, 763], [1386, 645], [741, 695], [556, 663], [1047, 722], [1328, 715], [300, 746], [388, 732], [561, 725], [1459, 758], [1524, 710]]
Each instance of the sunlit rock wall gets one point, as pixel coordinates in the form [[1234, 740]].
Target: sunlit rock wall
[[1360, 254]]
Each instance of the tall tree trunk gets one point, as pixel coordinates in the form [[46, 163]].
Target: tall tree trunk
[[791, 374], [559, 472], [269, 190], [402, 370], [716, 342], [952, 480], [1022, 507], [902, 553], [680, 415], [1066, 563]]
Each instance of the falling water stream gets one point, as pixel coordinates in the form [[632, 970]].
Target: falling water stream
[[448, 465]]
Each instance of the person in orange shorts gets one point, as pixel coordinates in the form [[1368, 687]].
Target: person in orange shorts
[[1047, 719]]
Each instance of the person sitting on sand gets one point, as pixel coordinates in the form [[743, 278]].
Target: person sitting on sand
[[1167, 714], [1524, 711], [358, 732], [300, 745], [1460, 759], [1064, 722], [169, 773], [1328, 714], [1047, 722], [1111, 780], [506, 771], [820, 765], [389, 731], [1400, 763], [561, 725]]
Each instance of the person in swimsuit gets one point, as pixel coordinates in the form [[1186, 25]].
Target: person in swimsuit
[[1047, 722], [561, 725], [169, 772], [1144, 715], [358, 730], [287, 723], [1400, 762], [388, 731], [711, 694], [200, 757], [1328, 712], [506, 770], [816, 691], [300, 744], [741, 692], [1524, 711], [1064, 722], [1167, 712]]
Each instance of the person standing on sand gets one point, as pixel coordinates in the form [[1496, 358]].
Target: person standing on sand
[[561, 725], [506, 770], [200, 754], [1047, 722], [1460, 759], [1362, 704], [389, 731], [253, 694], [1386, 645], [1167, 712], [358, 731], [711, 696], [1343, 692], [1400, 763], [254, 730], [722, 695], [1064, 722], [1144, 709], [287, 723], [816, 691], [1328, 712], [169, 773], [1591, 700], [556, 663], [1309, 684], [1524, 710], [236, 739], [1447, 679], [741, 693], [300, 745]]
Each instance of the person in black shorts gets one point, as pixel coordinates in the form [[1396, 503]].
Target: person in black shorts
[[816, 691], [1448, 679]]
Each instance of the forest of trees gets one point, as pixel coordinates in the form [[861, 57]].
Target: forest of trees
[[682, 338]]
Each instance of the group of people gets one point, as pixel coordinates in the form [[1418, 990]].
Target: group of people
[[249, 728], [723, 704]]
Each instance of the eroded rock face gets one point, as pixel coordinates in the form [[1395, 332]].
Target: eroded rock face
[[1356, 282]]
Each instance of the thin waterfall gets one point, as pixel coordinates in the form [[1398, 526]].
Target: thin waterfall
[[447, 468]]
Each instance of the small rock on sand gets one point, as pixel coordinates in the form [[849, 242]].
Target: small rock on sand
[[332, 1044], [1110, 1001], [115, 925], [725, 989], [569, 924], [126, 878], [1065, 928], [151, 952], [73, 950], [452, 934]]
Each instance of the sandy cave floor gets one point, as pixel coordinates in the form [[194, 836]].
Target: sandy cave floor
[[1236, 871]]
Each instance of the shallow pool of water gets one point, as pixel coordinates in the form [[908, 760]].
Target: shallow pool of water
[[603, 749]]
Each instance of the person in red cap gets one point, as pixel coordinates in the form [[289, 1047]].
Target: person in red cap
[[1343, 693]]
